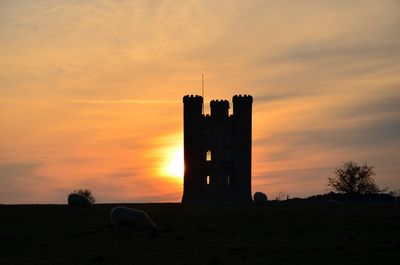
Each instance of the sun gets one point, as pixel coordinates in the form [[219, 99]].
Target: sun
[[174, 166]]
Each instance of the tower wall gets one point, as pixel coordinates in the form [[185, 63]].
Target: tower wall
[[218, 131], [241, 142], [193, 149]]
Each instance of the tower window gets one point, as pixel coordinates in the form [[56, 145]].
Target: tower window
[[208, 180], [208, 155], [228, 180]]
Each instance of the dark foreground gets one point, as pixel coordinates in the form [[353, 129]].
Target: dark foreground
[[291, 232]]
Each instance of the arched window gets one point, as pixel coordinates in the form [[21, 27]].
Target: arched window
[[208, 180], [208, 155], [228, 180]]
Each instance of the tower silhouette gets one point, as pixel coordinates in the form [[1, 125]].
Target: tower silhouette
[[217, 150]]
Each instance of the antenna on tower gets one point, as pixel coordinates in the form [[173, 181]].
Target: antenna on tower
[[202, 91]]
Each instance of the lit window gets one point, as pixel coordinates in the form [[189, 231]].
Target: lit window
[[228, 180], [208, 180], [208, 155]]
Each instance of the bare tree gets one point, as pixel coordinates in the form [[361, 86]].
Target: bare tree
[[352, 179], [86, 193]]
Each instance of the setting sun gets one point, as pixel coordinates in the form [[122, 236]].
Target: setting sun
[[174, 163]]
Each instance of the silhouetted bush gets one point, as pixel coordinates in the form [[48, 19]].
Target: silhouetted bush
[[86, 193]]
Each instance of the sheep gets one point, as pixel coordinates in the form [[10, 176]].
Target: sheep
[[131, 218], [333, 203], [79, 200], [260, 198]]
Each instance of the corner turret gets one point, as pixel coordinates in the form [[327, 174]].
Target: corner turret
[[193, 105]]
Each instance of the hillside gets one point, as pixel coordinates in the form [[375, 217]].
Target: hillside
[[289, 232]]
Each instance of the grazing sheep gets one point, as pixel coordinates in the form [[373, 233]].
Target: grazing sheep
[[79, 200], [260, 198], [131, 218], [333, 203]]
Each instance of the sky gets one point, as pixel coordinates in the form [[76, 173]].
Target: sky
[[91, 92]]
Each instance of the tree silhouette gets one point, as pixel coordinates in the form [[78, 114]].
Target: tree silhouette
[[354, 179], [86, 193]]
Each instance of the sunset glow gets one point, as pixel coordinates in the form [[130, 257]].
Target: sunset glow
[[175, 167], [174, 164], [91, 92]]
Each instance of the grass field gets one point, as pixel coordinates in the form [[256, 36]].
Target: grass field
[[288, 232]]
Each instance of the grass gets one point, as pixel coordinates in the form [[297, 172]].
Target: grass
[[289, 232]]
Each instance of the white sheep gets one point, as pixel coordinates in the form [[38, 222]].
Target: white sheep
[[260, 198], [333, 203], [79, 200], [131, 218]]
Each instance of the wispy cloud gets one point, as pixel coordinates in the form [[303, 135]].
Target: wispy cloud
[[124, 101]]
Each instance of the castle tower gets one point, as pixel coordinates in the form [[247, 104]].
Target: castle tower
[[217, 150], [193, 148], [241, 130]]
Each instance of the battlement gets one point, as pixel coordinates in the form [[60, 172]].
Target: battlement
[[219, 102], [219, 109], [242, 98], [192, 99]]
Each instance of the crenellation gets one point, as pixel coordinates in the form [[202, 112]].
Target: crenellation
[[242, 99], [192, 99]]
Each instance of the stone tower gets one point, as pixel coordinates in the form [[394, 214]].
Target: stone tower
[[217, 150]]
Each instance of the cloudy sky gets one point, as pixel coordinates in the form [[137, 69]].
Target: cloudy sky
[[91, 92]]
